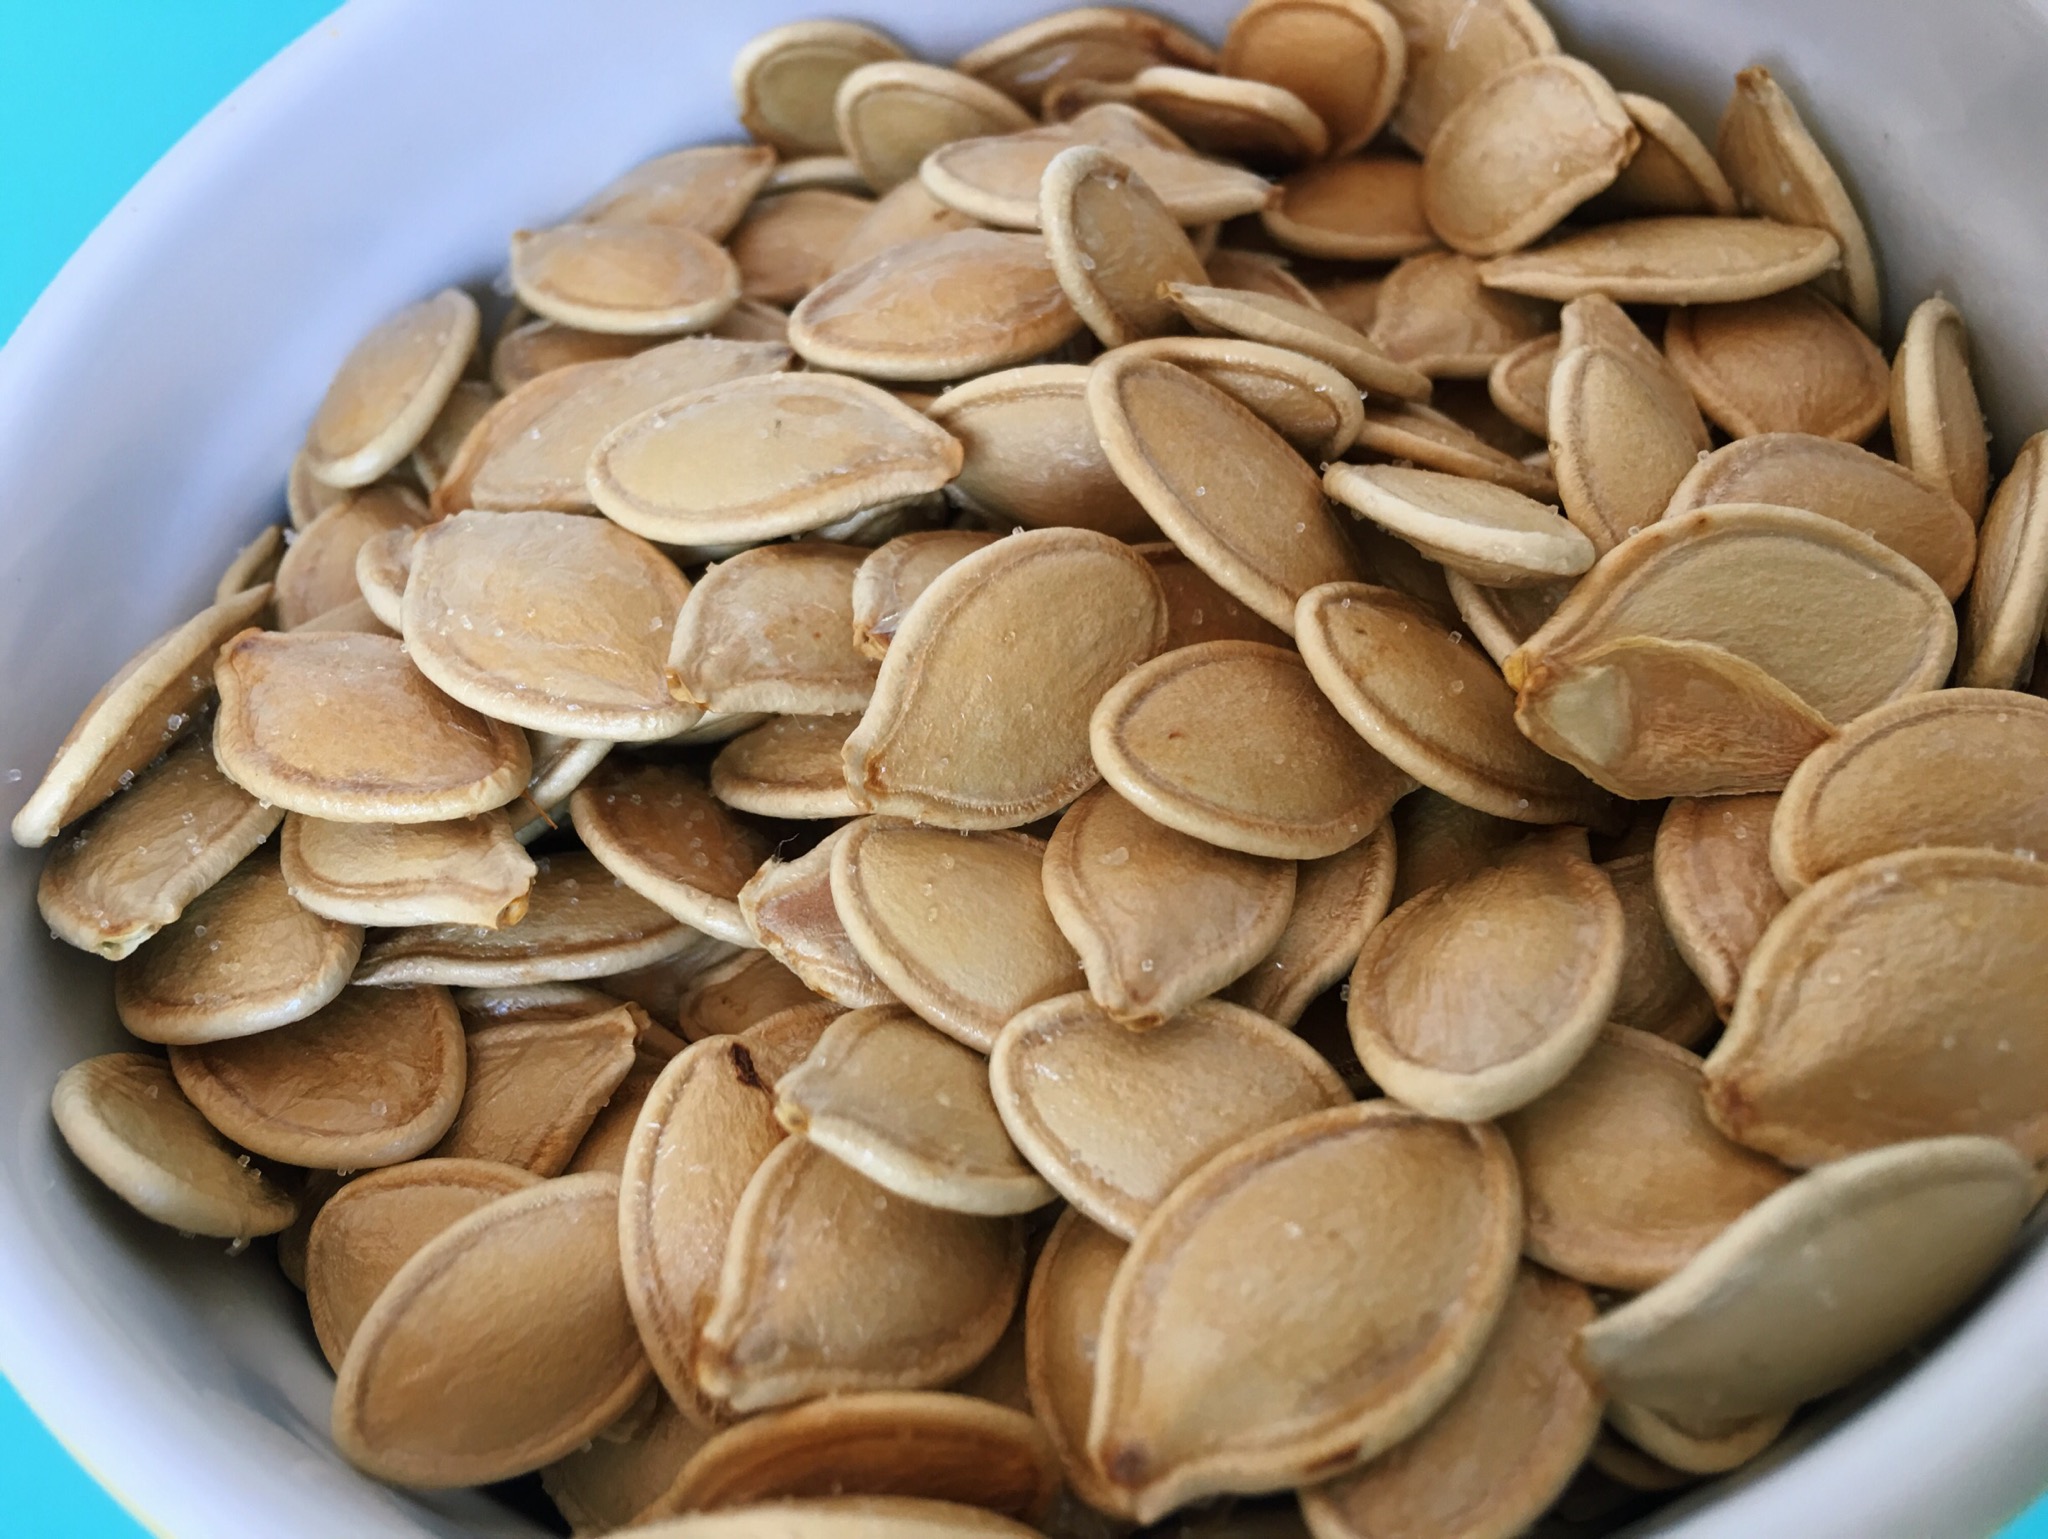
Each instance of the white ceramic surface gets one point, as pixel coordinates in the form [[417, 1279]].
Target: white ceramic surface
[[149, 405]]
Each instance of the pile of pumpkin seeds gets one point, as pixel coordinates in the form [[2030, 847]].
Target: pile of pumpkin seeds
[[1102, 782]]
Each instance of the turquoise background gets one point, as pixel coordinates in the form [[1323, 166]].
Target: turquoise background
[[91, 93]]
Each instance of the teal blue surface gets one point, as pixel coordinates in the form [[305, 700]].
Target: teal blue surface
[[91, 93]]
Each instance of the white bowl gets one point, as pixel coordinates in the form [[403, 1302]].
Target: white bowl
[[151, 401]]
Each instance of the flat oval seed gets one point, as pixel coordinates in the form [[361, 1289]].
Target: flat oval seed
[[909, 1109], [1337, 901], [728, 997], [1435, 317], [561, 764], [382, 564], [1454, 48], [1225, 487], [1892, 1000], [788, 767], [904, 1443], [827, 447], [581, 922], [940, 308], [789, 909], [1678, 260], [516, 1316], [1658, 991], [1672, 171], [1521, 152], [844, 1517], [1285, 323], [603, 1145], [892, 577], [1715, 886], [343, 726], [1088, 43], [1778, 171], [1105, 867], [134, 717], [1680, 1447], [979, 717], [1113, 245], [125, 1118], [1308, 403], [372, 1078], [318, 571], [1255, 1260], [1501, 1451], [532, 450], [390, 388], [629, 279], [554, 621], [1624, 1178], [705, 188], [785, 79], [1196, 739], [253, 565], [893, 113], [1116, 1120], [1487, 533], [772, 630], [122, 877], [1062, 1324], [1839, 481], [306, 497], [1365, 208], [468, 872], [535, 1086], [541, 346], [654, 826], [1235, 119], [1429, 439], [1816, 1284], [1787, 363], [1937, 424], [1345, 59], [243, 957], [781, 1041], [790, 241], [1475, 997], [374, 1225], [955, 924], [608, 1484], [2008, 602], [1518, 383], [1631, 1469], [465, 408], [1432, 705], [905, 212], [1952, 767], [1621, 447], [783, 1325], [996, 180], [1031, 453], [1501, 619], [1197, 609], [1838, 619]]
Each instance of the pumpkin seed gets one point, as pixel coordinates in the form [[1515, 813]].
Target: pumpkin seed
[[1113, 245], [785, 80], [2008, 602], [1787, 363], [306, 496], [1116, 1120], [910, 1110], [772, 630], [630, 279], [1484, 532], [1345, 60], [1308, 403], [383, 562], [125, 1118], [535, 1087], [609, 1483], [790, 241], [1715, 886], [788, 767], [254, 564], [1091, 43], [1063, 1325], [1518, 383], [844, 1517], [728, 997], [1937, 425], [705, 188], [1620, 447], [890, 580], [781, 1041], [390, 388], [1679, 1447], [1437, 318], [1246, 120], [1672, 171], [1674, 260], [1197, 609], [470, 871], [318, 570], [1501, 619], [1362, 208], [893, 113], [1337, 901], [905, 212], [542, 346], [603, 1145], [1658, 991], [1282, 323], [788, 907]]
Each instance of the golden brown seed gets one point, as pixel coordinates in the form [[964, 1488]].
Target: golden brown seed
[[465, 407], [535, 1086], [1672, 171], [940, 308], [1501, 619], [979, 718], [1522, 151], [790, 241], [1197, 609], [382, 564], [781, 1041], [909, 1109], [1620, 445], [655, 827], [956, 925], [1113, 245], [771, 630], [1437, 318], [788, 767], [630, 279], [603, 1146], [607, 1484], [1432, 705], [1778, 171], [1787, 363], [789, 909], [372, 1226], [472, 871], [727, 997], [318, 571], [124, 1117], [117, 880], [1483, 532], [892, 577], [1232, 119], [1890, 1001], [1839, 481], [1337, 901], [1624, 1178], [540, 347], [1345, 59], [1232, 743], [1952, 767], [1087, 44], [1308, 403], [1105, 867], [254, 564], [390, 388], [1675, 1445], [1816, 1284], [893, 113], [306, 497], [2008, 602], [1116, 1120], [1937, 426], [515, 1318], [1254, 1260], [783, 1327], [844, 1517], [705, 188], [1677, 260], [905, 212], [1715, 886], [1503, 1448], [1284, 323], [785, 79], [1062, 1325], [1364, 208], [1454, 48], [1658, 991]]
